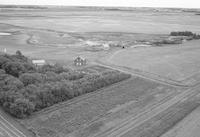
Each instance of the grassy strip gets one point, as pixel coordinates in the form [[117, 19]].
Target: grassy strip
[[166, 120]]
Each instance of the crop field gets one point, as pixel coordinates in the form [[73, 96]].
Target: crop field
[[94, 111]]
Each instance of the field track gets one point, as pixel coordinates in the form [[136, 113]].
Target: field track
[[144, 75], [131, 122], [8, 128]]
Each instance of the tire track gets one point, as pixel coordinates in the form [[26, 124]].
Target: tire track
[[11, 130], [133, 121], [148, 76]]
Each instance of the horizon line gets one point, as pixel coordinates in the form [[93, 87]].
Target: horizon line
[[97, 6]]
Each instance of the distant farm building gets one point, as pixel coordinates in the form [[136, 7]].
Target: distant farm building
[[39, 62], [5, 50], [79, 61]]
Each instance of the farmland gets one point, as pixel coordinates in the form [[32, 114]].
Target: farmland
[[178, 63], [141, 77], [105, 107]]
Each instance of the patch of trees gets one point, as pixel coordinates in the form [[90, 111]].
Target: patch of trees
[[25, 88], [166, 41], [185, 33]]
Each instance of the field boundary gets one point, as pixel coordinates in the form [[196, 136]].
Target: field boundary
[[128, 124], [142, 74], [78, 99]]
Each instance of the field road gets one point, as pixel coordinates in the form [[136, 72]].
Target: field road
[[133, 121], [7, 129], [144, 75]]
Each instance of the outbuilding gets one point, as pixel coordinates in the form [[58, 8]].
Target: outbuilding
[[40, 62]]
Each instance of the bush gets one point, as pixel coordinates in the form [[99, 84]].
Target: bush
[[71, 75], [30, 68], [54, 68], [13, 83], [31, 78]]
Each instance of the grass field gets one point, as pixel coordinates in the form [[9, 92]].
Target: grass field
[[167, 119], [113, 21], [176, 62], [62, 30]]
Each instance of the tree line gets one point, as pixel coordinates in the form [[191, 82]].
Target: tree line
[[25, 88], [185, 33]]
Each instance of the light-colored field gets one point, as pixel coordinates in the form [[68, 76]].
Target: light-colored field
[[112, 21], [176, 62], [188, 127], [48, 33]]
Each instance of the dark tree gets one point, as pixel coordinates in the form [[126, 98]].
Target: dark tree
[[14, 68], [3, 60], [31, 78], [21, 108], [18, 53]]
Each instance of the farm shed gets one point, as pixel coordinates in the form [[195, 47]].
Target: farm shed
[[39, 62], [79, 61]]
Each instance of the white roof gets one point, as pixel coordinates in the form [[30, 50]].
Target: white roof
[[106, 45], [91, 43], [38, 61]]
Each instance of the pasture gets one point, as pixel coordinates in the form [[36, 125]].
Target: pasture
[[88, 20], [60, 34], [175, 62]]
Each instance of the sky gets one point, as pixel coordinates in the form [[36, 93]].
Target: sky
[[126, 3]]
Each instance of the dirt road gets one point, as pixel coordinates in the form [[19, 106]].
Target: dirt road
[[144, 75], [10, 128], [133, 121]]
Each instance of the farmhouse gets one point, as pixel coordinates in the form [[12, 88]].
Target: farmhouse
[[79, 61], [39, 62]]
